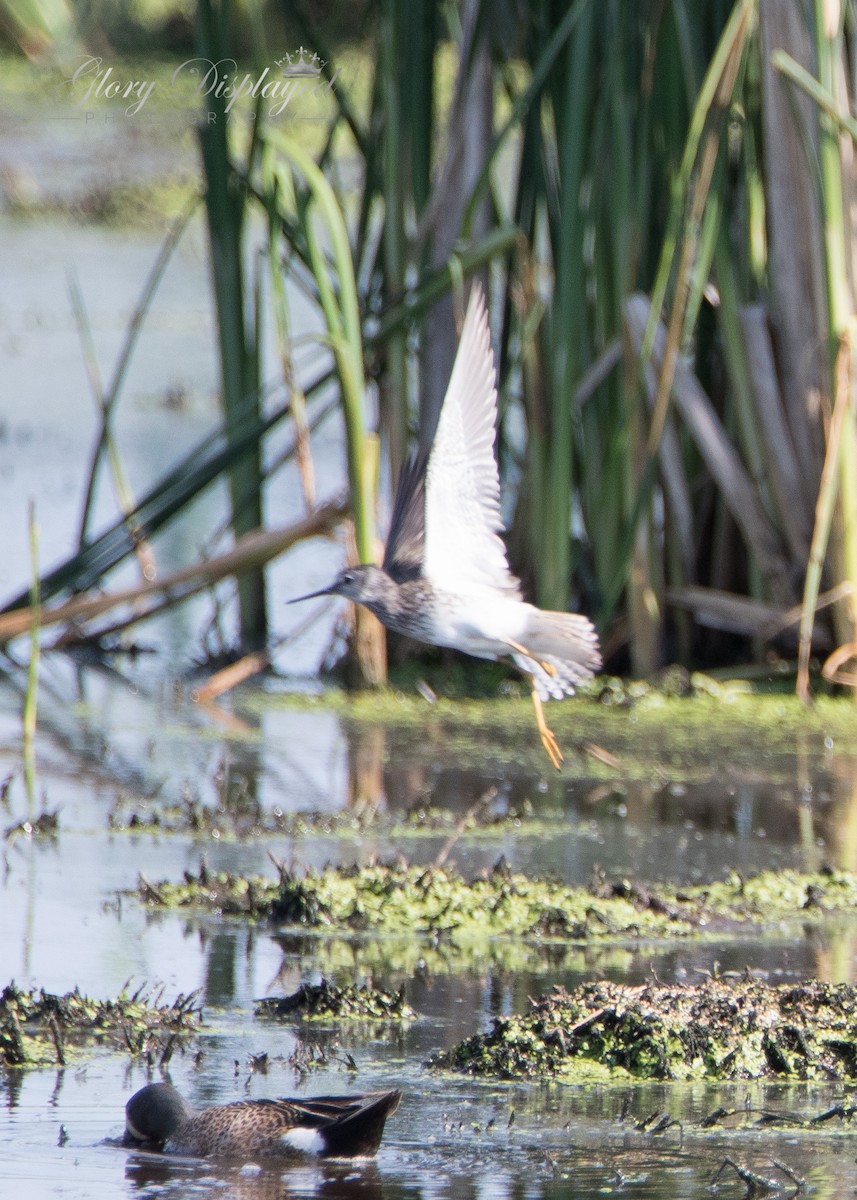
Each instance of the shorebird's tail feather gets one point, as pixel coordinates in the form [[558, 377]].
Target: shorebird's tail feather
[[565, 652]]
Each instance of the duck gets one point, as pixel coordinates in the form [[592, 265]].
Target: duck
[[158, 1117]]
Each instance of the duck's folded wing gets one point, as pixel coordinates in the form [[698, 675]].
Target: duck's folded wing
[[346, 1126]]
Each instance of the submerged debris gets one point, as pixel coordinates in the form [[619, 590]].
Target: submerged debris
[[760, 1185], [715, 1030], [46, 825], [748, 1117], [38, 1028], [401, 898], [325, 999]]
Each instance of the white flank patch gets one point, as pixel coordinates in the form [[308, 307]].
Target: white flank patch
[[308, 1141]]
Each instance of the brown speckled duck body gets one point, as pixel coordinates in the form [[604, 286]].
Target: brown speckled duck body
[[158, 1117]]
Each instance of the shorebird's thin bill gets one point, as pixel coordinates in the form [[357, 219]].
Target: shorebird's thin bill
[[325, 591]]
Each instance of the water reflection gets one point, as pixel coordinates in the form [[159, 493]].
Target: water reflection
[[145, 781], [168, 766], [165, 1176]]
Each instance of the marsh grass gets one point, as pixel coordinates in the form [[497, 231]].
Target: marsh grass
[[660, 204], [39, 1028], [635, 168]]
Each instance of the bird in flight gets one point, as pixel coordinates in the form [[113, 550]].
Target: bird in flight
[[445, 579]]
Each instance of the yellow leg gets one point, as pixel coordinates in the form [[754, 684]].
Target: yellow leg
[[545, 666], [548, 740]]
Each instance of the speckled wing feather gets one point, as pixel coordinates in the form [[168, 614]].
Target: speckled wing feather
[[332, 1125], [463, 551]]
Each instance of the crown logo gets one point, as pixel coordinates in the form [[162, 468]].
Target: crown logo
[[302, 65]]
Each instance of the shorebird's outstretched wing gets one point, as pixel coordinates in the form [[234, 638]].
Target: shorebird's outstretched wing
[[403, 554], [462, 548]]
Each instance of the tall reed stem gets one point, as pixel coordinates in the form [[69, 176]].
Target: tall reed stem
[[31, 699], [225, 200]]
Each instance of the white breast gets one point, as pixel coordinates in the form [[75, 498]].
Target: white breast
[[482, 624]]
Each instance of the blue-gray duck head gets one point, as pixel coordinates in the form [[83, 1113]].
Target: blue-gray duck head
[[154, 1113]]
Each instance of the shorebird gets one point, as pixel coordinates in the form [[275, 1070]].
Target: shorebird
[[445, 578], [159, 1117]]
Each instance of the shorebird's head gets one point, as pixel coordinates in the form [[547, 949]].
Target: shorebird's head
[[366, 585]]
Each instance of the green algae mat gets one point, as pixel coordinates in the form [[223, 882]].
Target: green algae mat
[[721, 1029], [717, 1030], [404, 899]]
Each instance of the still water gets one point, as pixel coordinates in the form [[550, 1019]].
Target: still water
[[66, 920]]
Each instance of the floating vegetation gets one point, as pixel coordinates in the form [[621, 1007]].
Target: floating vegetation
[[38, 1028], [719, 1030], [325, 999], [401, 898], [733, 714]]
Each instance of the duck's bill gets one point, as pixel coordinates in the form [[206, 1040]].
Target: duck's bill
[[135, 1140]]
